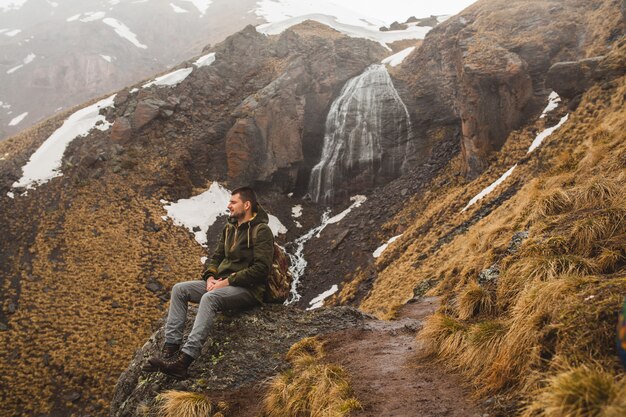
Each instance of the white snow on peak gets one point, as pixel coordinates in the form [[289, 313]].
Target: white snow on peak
[[296, 211], [178, 9], [379, 251], [106, 57], [547, 132], [318, 301], [170, 79], [201, 5], [73, 18], [13, 32], [93, 16], [45, 163], [354, 18], [200, 211], [6, 5], [205, 60], [123, 31], [396, 59], [490, 188], [553, 103], [18, 119]]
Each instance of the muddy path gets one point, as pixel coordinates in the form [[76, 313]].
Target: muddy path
[[389, 375]]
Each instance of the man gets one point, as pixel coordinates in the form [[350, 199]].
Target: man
[[234, 279]]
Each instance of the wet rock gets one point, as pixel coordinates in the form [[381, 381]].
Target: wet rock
[[244, 348]]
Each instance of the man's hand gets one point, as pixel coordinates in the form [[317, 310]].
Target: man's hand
[[213, 284], [210, 282]]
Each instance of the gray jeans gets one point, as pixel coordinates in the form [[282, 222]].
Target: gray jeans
[[227, 298]]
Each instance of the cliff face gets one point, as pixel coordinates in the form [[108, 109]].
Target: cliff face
[[487, 66]]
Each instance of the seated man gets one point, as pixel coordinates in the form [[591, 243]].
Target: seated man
[[234, 279]]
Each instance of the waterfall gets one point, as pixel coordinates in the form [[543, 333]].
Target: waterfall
[[367, 137]]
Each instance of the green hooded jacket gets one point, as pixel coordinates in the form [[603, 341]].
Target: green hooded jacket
[[245, 262]]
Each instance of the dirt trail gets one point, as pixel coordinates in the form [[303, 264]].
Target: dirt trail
[[387, 375]]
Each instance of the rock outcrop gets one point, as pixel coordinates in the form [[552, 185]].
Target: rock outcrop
[[244, 349], [485, 68]]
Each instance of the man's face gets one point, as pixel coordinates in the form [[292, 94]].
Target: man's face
[[237, 207]]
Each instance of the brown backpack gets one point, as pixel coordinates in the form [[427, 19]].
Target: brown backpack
[[278, 284]]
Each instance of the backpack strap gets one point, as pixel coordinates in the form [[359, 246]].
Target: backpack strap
[[255, 231]]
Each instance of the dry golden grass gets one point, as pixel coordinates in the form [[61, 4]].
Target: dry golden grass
[[310, 388], [554, 303], [189, 404], [584, 391], [475, 300]]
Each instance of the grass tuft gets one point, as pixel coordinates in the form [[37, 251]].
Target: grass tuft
[[580, 392], [475, 300], [311, 388], [189, 404]]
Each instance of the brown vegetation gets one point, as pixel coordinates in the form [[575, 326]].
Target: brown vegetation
[[553, 304], [311, 388]]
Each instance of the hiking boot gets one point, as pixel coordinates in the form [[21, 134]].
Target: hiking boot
[[176, 369], [168, 353]]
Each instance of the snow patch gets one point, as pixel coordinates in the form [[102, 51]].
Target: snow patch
[[296, 211], [73, 18], [553, 103], [201, 5], [357, 201], [178, 9], [200, 211], [93, 16], [29, 58], [6, 5], [45, 163], [13, 32], [18, 119], [123, 31], [107, 58], [52, 3], [276, 226], [205, 61], [318, 301], [541, 136], [379, 251], [12, 70], [490, 188], [10, 195], [203, 259], [170, 79], [396, 59], [298, 224]]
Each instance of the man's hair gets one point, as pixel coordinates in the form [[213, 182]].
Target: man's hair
[[247, 194]]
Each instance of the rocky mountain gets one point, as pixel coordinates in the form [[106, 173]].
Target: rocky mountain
[[465, 149], [56, 55]]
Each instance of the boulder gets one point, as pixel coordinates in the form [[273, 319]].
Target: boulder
[[121, 130], [571, 78]]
